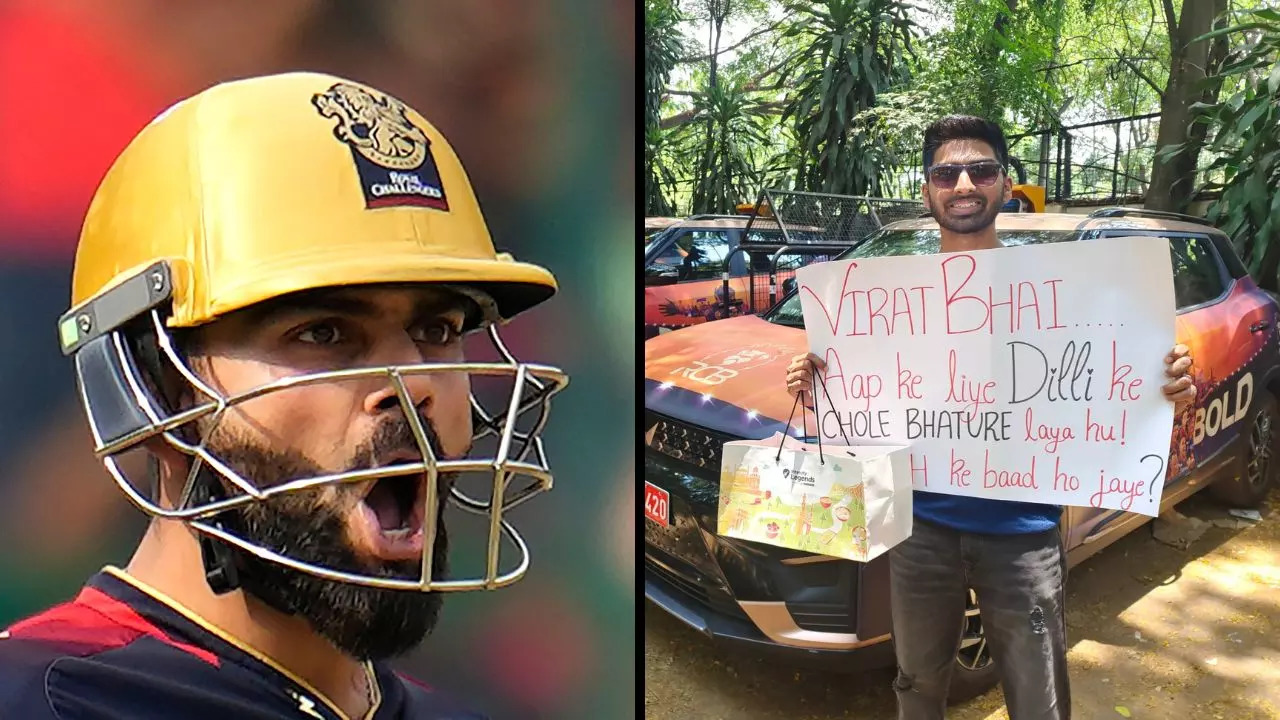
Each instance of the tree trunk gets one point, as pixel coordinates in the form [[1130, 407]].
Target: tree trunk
[[1173, 178], [1049, 119]]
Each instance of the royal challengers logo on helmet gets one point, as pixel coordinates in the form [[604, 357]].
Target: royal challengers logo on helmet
[[392, 155]]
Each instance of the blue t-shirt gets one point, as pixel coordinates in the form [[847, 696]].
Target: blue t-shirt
[[980, 515]]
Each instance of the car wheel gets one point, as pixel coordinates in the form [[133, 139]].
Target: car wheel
[[1258, 475], [975, 672]]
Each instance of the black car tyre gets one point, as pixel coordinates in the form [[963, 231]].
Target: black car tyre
[[1260, 467], [975, 672]]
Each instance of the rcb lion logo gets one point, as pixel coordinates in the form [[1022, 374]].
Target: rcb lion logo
[[392, 155]]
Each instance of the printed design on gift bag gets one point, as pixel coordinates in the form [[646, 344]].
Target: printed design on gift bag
[[785, 493], [859, 537], [798, 517]]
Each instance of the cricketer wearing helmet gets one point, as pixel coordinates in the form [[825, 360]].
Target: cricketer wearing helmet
[[270, 296]]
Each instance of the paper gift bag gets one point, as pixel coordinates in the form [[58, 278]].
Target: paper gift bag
[[851, 502]]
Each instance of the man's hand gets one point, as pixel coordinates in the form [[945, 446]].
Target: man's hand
[[799, 377], [1181, 390]]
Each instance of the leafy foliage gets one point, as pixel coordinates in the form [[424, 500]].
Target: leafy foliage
[[1113, 60], [663, 45], [833, 95], [726, 133], [992, 62], [851, 52], [1248, 137], [659, 176]]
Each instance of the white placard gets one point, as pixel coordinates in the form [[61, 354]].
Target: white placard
[[1024, 373]]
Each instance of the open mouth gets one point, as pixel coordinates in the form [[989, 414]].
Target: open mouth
[[393, 515], [965, 207], [393, 501]]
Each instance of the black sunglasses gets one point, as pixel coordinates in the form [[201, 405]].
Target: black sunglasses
[[982, 174]]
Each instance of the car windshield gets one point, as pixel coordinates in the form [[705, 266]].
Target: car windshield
[[652, 240], [889, 243]]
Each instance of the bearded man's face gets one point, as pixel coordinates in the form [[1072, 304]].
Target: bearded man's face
[[373, 527], [967, 207]]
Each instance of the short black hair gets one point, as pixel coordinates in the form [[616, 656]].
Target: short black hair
[[964, 127]]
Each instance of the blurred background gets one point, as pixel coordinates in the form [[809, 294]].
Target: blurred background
[[537, 97]]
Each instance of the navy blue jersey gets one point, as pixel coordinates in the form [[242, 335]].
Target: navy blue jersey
[[121, 650]]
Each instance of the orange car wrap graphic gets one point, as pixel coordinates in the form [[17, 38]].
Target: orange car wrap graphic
[[692, 303], [728, 376], [1226, 341]]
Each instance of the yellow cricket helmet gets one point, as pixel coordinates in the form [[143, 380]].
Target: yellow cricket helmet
[[263, 187]]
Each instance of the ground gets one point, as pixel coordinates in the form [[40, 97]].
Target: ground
[[1155, 632]]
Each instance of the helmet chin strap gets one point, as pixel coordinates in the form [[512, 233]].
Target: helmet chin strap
[[221, 564], [224, 569], [220, 569]]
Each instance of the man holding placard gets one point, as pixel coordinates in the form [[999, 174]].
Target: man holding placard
[[985, 525]]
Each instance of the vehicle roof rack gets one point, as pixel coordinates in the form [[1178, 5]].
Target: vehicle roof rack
[[1110, 212], [711, 216], [826, 219]]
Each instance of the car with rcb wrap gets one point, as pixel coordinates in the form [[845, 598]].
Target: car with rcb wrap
[[703, 268], [656, 224], [709, 385]]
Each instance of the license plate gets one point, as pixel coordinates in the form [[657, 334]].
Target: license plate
[[656, 504]]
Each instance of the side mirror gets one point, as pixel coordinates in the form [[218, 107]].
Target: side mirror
[[788, 285]]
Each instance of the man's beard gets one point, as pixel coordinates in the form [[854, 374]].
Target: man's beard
[[968, 224], [365, 622]]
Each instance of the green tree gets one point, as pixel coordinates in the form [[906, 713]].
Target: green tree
[[996, 59], [726, 134], [1194, 61], [851, 51], [659, 175], [663, 46], [1248, 138]]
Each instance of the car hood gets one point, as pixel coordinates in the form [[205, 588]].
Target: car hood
[[727, 376]]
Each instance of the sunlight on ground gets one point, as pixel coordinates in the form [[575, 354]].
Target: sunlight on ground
[[1198, 643]]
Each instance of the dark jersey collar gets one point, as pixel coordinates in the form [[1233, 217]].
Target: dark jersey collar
[[151, 611]]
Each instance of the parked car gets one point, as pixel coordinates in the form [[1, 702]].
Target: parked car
[[708, 385], [686, 264], [654, 225]]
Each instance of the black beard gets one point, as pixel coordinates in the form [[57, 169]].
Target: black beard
[[364, 622], [969, 224]]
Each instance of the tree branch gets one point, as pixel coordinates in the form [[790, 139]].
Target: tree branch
[[1143, 76], [771, 107], [1172, 18], [1091, 59], [770, 71], [749, 36], [677, 120]]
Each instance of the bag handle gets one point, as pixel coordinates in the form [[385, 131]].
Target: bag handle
[[823, 384], [813, 372]]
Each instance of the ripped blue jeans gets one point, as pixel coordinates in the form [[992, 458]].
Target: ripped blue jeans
[[1020, 583]]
